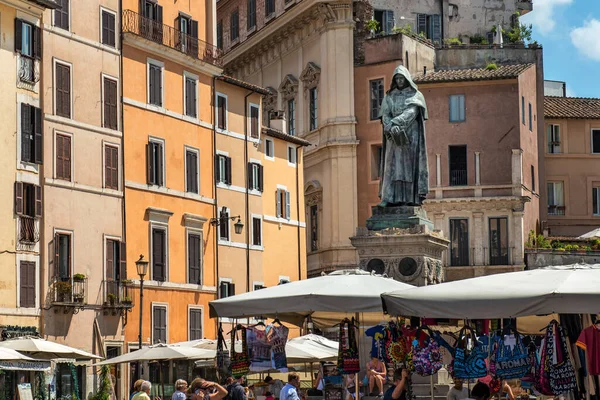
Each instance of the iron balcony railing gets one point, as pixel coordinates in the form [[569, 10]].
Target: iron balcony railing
[[117, 294], [458, 177], [168, 36], [28, 229], [28, 69], [67, 290], [556, 210]]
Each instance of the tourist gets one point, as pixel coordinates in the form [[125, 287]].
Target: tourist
[[458, 391], [144, 393], [275, 386], [290, 390], [377, 373], [398, 391], [236, 389], [350, 387], [269, 396], [201, 389], [480, 391], [136, 388], [180, 387]]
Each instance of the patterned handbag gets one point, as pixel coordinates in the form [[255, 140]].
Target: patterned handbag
[[468, 364], [348, 361], [563, 378], [511, 363], [542, 378], [427, 359], [223, 359], [240, 362]]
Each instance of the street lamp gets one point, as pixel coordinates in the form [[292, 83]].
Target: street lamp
[[238, 226], [142, 269]]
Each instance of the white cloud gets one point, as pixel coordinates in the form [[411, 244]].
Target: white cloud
[[585, 39], [543, 14]]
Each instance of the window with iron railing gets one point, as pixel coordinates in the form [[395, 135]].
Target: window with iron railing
[[556, 202], [458, 165], [498, 233]]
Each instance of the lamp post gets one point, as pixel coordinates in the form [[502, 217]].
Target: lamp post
[[238, 226], [142, 269]]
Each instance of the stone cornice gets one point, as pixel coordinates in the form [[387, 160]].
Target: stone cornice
[[512, 203]]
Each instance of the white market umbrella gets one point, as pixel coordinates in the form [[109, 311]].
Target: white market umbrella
[[311, 348], [46, 350], [161, 352], [13, 355], [590, 235], [342, 292], [570, 289], [209, 344]]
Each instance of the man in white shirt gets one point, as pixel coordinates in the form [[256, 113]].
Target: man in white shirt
[[457, 392], [290, 390]]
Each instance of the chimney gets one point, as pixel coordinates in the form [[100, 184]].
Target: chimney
[[277, 121]]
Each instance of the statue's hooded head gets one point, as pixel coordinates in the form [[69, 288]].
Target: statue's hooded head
[[403, 81]]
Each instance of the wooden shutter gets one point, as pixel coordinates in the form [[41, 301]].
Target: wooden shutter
[[194, 258], [26, 133], [38, 201], [110, 103], [193, 48], [389, 21], [110, 261], [223, 287], [37, 43], [278, 202], [63, 90], [111, 167], [159, 325], [195, 324], [27, 284], [19, 198], [256, 234], [260, 178], [159, 167], [231, 287], [56, 255], [18, 35], [287, 205], [250, 176], [254, 122], [38, 130], [104, 27], [222, 112], [228, 170], [158, 255], [217, 169], [436, 28], [422, 23], [150, 163], [60, 143], [123, 260]]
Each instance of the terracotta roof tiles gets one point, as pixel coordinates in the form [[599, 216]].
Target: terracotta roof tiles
[[571, 108], [243, 84], [473, 74]]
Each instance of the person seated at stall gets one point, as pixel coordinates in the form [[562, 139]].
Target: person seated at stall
[[480, 391], [458, 391], [376, 373], [350, 387], [398, 391]]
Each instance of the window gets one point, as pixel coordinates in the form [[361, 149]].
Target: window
[[269, 7], [533, 178], [61, 14], [195, 258], [191, 94], [313, 108], [220, 35], [191, 171], [155, 160], [291, 114], [269, 152], [187, 40], [62, 256], [458, 165], [159, 254], [291, 155], [108, 28], [457, 108], [28, 42], [226, 289], [63, 157], [283, 203], [159, 324], [62, 76], [151, 25], [385, 19], [530, 118], [254, 122], [224, 225], [195, 324], [430, 26], [111, 167], [596, 201], [251, 20], [459, 242], [314, 228], [28, 206], [221, 112], [556, 201], [255, 176], [376, 97], [155, 84], [223, 169], [522, 108], [65, 381], [116, 263], [256, 231], [110, 100], [553, 139], [595, 141], [234, 25], [499, 241], [27, 284], [32, 139], [376, 155], [283, 280]]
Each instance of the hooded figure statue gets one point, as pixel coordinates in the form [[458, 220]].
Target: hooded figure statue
[[404, 168]]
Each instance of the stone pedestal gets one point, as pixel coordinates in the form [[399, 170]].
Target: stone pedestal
[[401, 243]]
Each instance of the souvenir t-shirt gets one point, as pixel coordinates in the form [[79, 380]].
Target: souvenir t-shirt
[[277, 336], [589, 340], [378, 347], [259, 349]]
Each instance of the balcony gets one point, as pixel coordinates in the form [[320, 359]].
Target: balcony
[[117, 297], [29, 70], [168, 36], [458, 177], [28, 230], [556, 210], [70, 294]]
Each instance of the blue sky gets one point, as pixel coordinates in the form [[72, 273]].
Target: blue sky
[[569, 31]]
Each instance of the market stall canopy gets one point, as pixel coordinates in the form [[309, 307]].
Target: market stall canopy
[[342, 292], [13, 355], [161, 352], [570, 289], [591, 234], [46, 350], [209, 344], [311, 348]]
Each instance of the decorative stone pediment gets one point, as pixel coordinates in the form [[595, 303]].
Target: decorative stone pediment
[[313, 193], [269, 103], [289, 87], [310, 76]]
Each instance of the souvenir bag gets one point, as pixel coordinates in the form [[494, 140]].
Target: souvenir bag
[[542, 376], [223, 359], [348, 362], [563, 378], [468, 364], [395, 344], [511, 363], [533, 364], [426, 359], [240, 362]]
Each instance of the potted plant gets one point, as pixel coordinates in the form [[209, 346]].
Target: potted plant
[[126, 300], [78, 278], [112, 298], [372, 26], [126, 282], [63, 290], [78, 297]]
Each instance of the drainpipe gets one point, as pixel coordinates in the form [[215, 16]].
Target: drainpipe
[[247, 193], [215, 211], [298, 210], [123, 213]]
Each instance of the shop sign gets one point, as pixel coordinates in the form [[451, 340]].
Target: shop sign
[[25, 365]]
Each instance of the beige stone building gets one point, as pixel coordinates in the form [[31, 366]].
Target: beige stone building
[[572, 157]]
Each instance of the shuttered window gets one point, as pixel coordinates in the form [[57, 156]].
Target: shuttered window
[[63, 90], [251, 19], [63, 157], [27, 284], [28, 200], [226, 289], [62, 255], [28, 42], [221, 112], [195, 258], [111, 167], [155, 163], [313, 109], [269, 7], [255, 176], [159, 324], [155, 85], [159, 255], [191, 97], [291, 108], [457, 107], [254, 127], [223, 169], [235, 25], [282, 199], [195, 324], [32, 144], [108, 28], [61, 14], [220, 35], [110, 103], [224, 226], [191, 171], [256, 231]]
